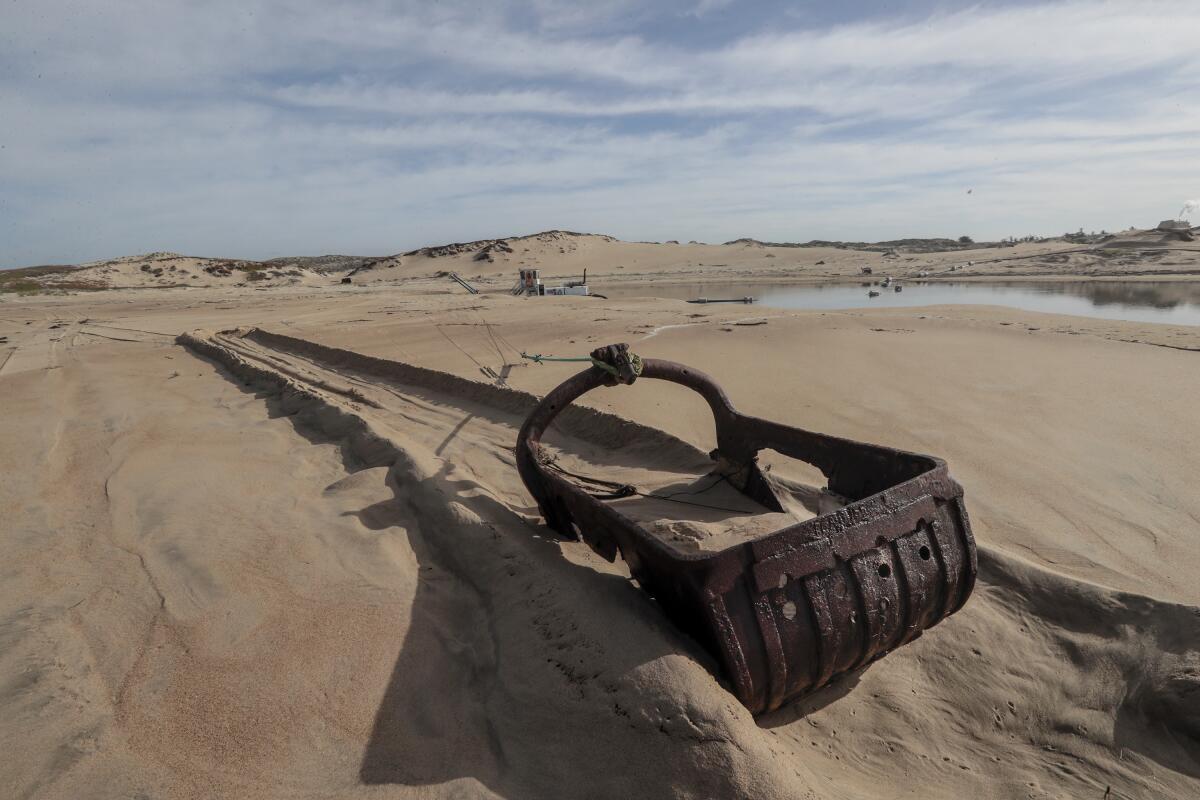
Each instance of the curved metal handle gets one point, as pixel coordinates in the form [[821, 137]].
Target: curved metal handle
[[854, 469], [593, 378], [735, 453]]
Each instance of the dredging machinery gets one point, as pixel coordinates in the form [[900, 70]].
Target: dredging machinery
[[786, 613]]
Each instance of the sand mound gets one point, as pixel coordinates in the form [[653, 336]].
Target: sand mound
[[492, 264]]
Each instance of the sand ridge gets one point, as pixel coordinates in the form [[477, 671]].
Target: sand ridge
[[566, 255]]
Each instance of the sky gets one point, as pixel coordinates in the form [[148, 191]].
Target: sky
[[264, 128]]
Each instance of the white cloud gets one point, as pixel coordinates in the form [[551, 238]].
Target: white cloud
[[271, 127]]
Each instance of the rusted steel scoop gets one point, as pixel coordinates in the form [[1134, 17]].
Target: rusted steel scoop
[[788, 612]]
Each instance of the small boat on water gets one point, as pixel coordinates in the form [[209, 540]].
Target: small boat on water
[[898, 287], [872, 293]]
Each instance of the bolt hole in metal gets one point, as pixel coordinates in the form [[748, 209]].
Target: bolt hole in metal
[[884, 570], [924, 553]]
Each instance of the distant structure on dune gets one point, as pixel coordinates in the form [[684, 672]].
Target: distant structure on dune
[[1179, 229]]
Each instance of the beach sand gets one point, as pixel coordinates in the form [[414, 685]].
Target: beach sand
[[238, 567]]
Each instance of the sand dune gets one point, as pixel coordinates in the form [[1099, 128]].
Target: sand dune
[[299, 562], [493, 263]]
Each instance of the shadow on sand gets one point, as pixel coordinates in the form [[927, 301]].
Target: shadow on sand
[[514, 649]]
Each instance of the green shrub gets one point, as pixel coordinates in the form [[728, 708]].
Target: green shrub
[[20, 287]]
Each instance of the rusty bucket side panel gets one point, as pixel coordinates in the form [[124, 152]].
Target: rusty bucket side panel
[[780, 642]]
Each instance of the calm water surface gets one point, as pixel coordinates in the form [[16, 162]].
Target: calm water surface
[[1175, 303]]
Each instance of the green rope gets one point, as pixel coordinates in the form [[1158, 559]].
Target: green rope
[[538, 358]]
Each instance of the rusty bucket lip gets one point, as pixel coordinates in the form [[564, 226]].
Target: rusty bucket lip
[[766, 545], [799, 532]]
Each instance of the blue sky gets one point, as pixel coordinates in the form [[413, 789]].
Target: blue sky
[[257, 129]]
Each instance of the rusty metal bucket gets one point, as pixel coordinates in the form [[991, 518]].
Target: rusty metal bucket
[[788, 612]]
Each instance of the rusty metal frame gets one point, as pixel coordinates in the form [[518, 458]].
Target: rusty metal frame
[[786, 613]]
